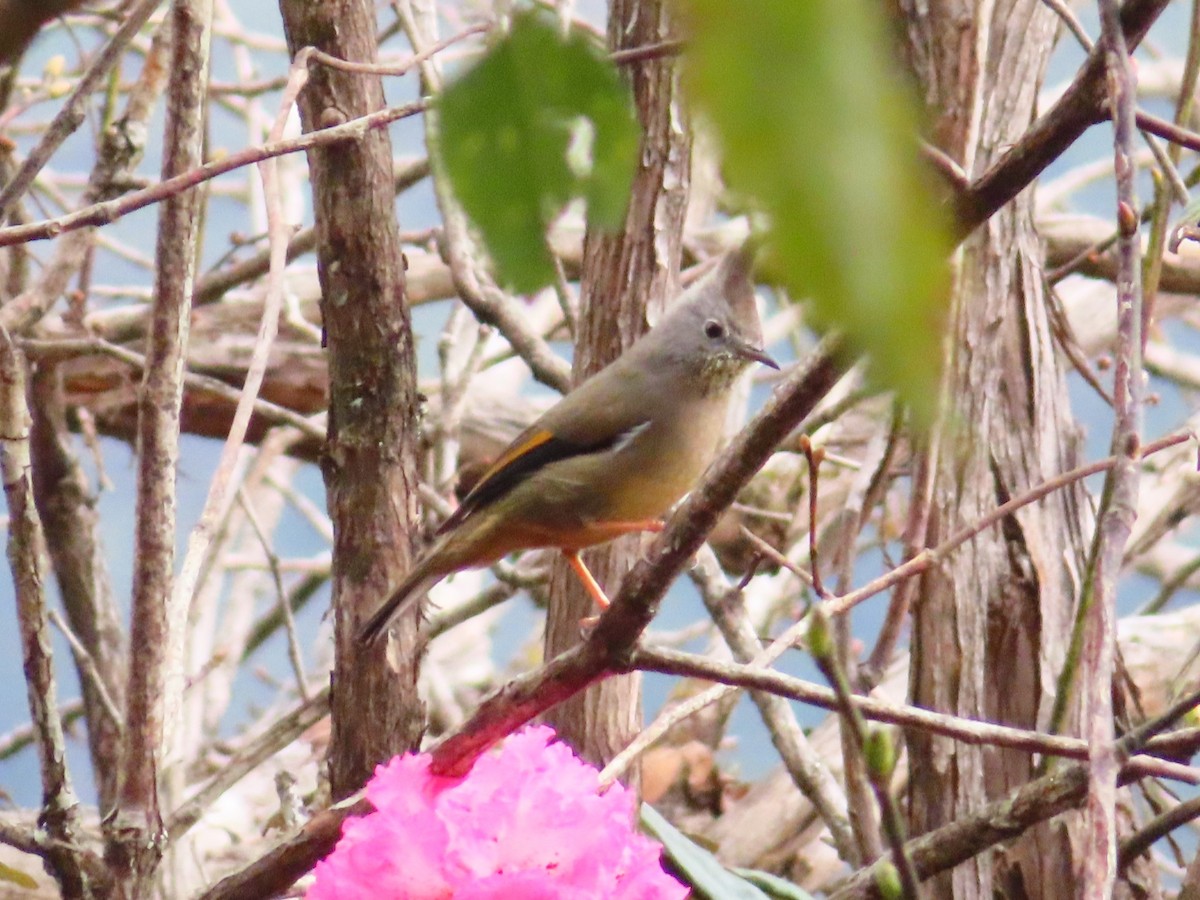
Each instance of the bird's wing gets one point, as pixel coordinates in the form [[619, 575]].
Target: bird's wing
[[595, 417]]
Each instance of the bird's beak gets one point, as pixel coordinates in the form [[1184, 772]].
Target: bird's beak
[[746, 350]]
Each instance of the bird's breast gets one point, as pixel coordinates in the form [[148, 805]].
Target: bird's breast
[[652, 471]]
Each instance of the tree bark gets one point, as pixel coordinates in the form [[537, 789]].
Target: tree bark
[[370, 461], [990, 627], [67, 508], [624, 276]]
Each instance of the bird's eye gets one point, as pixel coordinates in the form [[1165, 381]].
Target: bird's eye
[[714, 330]]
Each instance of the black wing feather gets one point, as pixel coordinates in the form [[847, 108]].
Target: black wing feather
[[497, 484]]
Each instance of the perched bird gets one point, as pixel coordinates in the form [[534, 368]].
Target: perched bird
[[614, 454]]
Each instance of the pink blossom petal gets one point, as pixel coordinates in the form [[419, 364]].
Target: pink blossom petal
[[526, 822]]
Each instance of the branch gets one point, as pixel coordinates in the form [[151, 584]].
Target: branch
[[135, 833], [71, 115], [838, 605], [283, 732], [111, 210], [927, 558], [1081, 106], [809, 772], [26, 544], [666, 661], [277, 870], [1118, 504], [1001, 820]]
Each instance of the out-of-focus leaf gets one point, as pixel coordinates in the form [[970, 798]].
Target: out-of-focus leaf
[[699, 868], [819, 132], [775, 887], [16, 876], [538, 121]]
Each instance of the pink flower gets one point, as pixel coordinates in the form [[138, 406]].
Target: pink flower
[[526, 821]]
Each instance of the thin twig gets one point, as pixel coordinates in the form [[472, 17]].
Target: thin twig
[[257, 751], [809, 772], [854, 725], [223, 485], [110, 211], [87, 668], [70, 116], [927, 558], [1118, 505], [484, 298], [134, 833], [973, 732], [295, 655], [666, 720], [26, 558], [69, 347], [402, 67], [1009, 817]]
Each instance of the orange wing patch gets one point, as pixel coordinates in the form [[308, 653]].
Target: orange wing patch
[[511, 455]]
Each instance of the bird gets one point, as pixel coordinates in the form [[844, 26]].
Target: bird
[[614, 454]]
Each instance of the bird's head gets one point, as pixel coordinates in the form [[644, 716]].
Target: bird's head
[[714, 329]]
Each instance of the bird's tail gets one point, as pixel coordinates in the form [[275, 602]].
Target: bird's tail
[[410, 591]]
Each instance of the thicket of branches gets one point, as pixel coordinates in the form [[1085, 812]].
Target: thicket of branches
[[271, 314]]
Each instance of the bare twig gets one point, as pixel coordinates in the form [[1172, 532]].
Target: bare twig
[[68, 347], [285, 730], [1035, 802], [854, 727], [835, 605], [967, 731], [135, 834], [808, 771], [171, 185], [1081, 106], [26, 549], [1118, 506], [87, 669], [213, 285], [489, 304], [224, 483], [925, 559], [71, 115], [295, 655], [399, 68]]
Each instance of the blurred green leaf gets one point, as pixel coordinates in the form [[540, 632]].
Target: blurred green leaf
[[15, 876], [699, 868], [538, 121], [775, 887], [819, 132]]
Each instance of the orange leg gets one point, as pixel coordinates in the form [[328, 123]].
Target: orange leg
[[605, 531], [589, 582], [655, 525]]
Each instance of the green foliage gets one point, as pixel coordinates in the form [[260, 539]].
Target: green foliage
[[699, 868], [538, 121], [880, 755], [819, 638], [774, 886], [9, 875], [819, 133], [887, 881]]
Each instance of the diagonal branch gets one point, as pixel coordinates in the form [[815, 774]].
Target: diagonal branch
[[1082, 105]]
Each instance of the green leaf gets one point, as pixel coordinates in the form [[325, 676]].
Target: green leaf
[[775, 887], [699, 868], [15, 876], [538, 121], [820, 133]]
